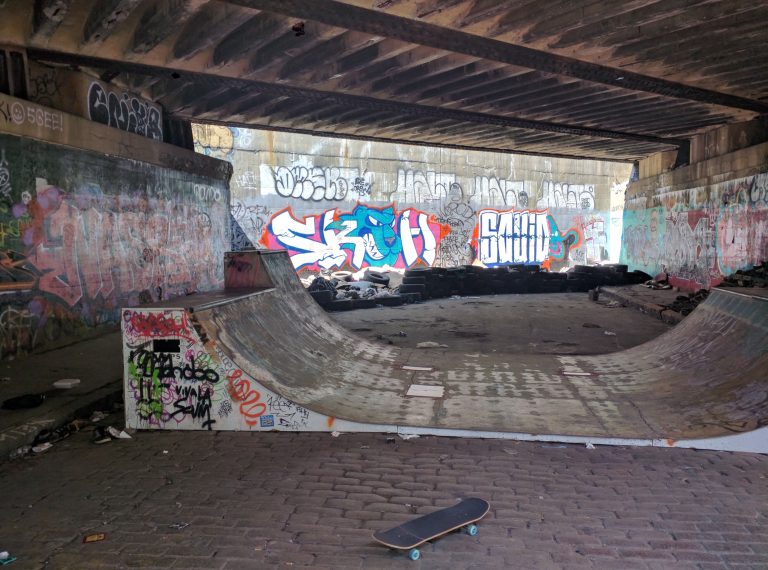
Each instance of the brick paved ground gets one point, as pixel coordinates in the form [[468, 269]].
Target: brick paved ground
[[287, 501]]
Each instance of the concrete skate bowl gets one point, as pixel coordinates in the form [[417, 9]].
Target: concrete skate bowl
[[702, 384]]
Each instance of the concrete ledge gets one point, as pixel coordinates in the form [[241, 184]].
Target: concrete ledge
[[645, 300]]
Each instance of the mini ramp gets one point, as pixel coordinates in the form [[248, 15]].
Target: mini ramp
[[263, 356]]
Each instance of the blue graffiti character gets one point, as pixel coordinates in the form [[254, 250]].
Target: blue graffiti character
[[376, 230]]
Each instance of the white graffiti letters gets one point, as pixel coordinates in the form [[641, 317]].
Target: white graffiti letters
[[407, 233], [513, 237], [316, 183], [415, 186], [297, 235]]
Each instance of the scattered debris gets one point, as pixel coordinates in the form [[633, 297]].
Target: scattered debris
[[658, 285], [77, 425], [609, 333], [179, 526], [430, 344], [509, 451], [105, 434], [97, 416], [567, 372], [335, 433], [20, 452], [590, 445], [42, 448], [360, 285], [377, 277], [54, 435], [66, 383], [100, 435], [117, 434], [96, 537], [425, 391], [343, 276], [685, 304], [24, 402], [343, 290], [755, 277], [407, 436]]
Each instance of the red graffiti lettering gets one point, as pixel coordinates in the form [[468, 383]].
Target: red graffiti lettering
[[240, 390], [156, 324]]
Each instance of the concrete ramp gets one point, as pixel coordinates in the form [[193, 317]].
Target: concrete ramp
[[264, 356]]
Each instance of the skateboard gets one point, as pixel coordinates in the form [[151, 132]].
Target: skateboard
[[408, 536]]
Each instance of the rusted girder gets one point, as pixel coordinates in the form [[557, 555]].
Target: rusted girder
[[350, 101], [48, 16], [409, 142], [378, 23]]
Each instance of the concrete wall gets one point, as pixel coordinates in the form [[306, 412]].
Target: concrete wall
[[701, 222], [93, 219], [337, 203], [85, 96]]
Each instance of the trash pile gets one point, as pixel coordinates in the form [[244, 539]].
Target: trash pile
[[685, 304], [344, 290], [341, 291], [658, 284], [46, 438], [755, 277]]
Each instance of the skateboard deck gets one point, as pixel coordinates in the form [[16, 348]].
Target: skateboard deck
[[418, 531]]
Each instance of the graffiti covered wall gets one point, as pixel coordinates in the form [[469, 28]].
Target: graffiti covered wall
[[698, 235], [174, 380], [84, 234], [336, 203], [365, 237], [513, 237], [77, 93]]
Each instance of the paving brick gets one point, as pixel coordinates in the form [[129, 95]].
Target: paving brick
[[753, 559], [645, 554], [266, 500], [727, 547], [696, 556], [676, 545], [197, 562]]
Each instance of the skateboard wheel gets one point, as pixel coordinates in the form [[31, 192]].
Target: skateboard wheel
[[471, 529], [414, 554]]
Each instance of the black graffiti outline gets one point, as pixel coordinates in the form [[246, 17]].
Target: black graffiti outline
[[127, 113], [201, 408], [149, 363]]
